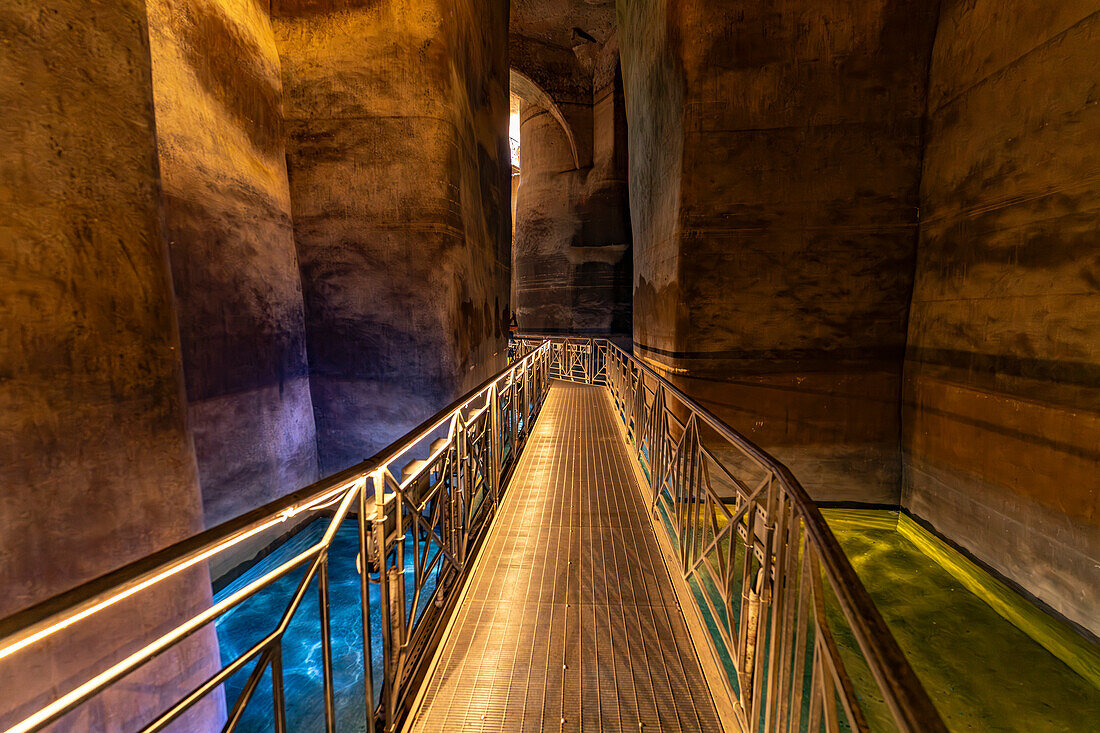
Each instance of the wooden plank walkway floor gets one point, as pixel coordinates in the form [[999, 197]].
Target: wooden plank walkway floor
[[570, 622]]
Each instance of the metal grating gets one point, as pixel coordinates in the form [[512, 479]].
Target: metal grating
[[571, 621]]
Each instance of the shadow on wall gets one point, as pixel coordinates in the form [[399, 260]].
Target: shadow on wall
[[220, 141], [399, 189]]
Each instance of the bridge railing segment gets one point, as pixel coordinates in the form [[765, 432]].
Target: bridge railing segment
[[420, 509], [802, 642], [803, 645]]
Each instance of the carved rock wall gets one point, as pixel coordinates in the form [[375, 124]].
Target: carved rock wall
[[1002, 372], [218, 94], [775, 157], [397, 117], [96, 464]]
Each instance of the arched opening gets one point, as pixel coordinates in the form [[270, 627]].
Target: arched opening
[[571, 257], [528, 91]]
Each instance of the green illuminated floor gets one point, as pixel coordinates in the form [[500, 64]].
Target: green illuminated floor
[[983, 672]]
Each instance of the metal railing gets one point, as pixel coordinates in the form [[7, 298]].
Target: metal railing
[[805, 644], [419, 525]]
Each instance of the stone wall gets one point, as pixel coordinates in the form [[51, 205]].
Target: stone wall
[[653, 83], [397, 118], [1002, 373], [572, 232], [776, 219], [217, 90], [96, 465]]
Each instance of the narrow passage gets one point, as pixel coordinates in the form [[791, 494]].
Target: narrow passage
[[571, 621]]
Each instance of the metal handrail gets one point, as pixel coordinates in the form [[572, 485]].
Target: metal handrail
[[443, 504], [786, 547], [447, 502]]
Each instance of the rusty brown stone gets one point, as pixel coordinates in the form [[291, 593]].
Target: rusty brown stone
[[775, 160], [220, 138], [96, 464], [397, 118], [1001, 401]]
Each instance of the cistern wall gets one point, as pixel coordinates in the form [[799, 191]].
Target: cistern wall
[[397, 151], [1001, 402], [96, 464]]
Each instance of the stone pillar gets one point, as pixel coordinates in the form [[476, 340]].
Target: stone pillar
[[653, 81], [1002, 373], [217, 89], [96, 466], [776, 158], [397, 116], [572, 234]]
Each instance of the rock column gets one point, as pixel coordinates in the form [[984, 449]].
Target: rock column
[[220, 138], [96, 464], [397, 117]]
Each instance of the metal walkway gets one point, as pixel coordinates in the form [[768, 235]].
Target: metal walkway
[[570, 621]]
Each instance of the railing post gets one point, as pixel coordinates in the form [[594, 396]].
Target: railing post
[[397, 572], [776, 580], [396, 580], [764, 596], [385, 606], [462, 469], [278, 697], [590, 372], [496, 443], [364, 599], [326, 646], [750, 610], [513, 418], [528, 396]]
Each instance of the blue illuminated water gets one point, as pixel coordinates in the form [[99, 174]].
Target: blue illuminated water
[[248, 623]]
